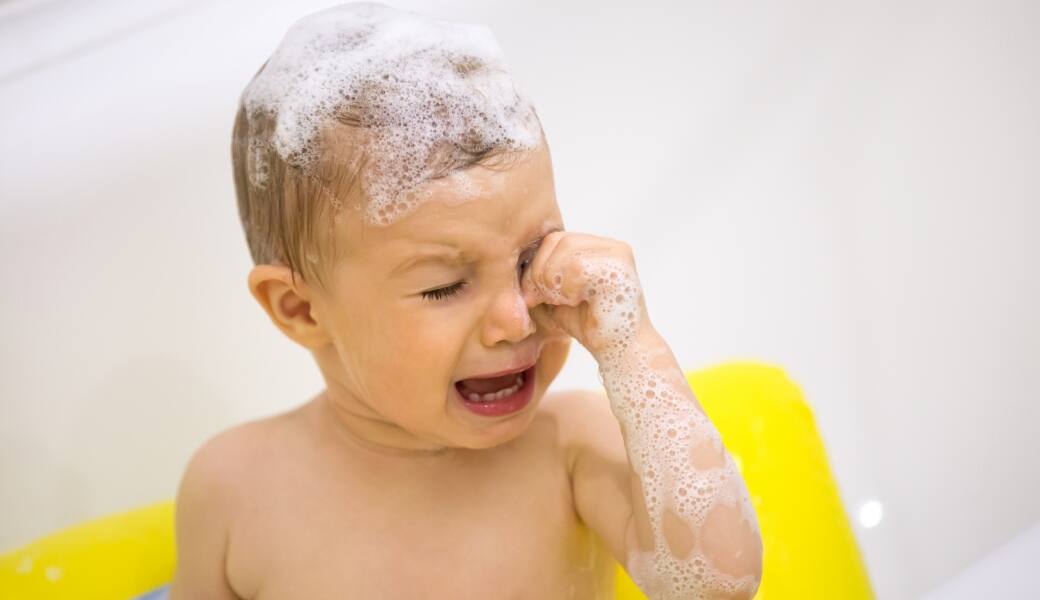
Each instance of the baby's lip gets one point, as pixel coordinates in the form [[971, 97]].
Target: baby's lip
[[509, 371]]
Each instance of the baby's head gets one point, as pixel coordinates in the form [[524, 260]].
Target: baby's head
[[393, 184]]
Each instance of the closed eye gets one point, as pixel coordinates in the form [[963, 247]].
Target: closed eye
[[444, 292], [527, 258]]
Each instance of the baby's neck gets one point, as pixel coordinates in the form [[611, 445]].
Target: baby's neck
[[373, 436]]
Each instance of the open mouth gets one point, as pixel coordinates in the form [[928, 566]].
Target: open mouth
[[495, 396], [490, 389]]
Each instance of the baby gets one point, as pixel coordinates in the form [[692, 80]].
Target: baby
[[396, 191]]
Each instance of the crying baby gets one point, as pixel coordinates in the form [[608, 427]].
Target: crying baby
[[396, 192]]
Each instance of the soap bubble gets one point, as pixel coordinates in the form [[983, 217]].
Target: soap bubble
[[418, 90]]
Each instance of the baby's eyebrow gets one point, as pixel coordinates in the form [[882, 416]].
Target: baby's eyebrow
[[445, 255]]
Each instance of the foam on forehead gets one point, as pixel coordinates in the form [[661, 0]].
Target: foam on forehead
[[414, 88]]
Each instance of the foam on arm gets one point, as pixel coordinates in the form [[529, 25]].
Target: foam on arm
[[696, 533]]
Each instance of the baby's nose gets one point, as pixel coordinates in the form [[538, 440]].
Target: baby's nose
[[508, 319]]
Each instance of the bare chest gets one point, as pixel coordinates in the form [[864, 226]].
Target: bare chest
[[501, 526]]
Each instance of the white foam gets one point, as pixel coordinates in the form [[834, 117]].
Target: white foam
[[422, 83], [674, 447]]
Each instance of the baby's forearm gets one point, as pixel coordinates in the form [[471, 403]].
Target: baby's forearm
[[693, 532], [696, 531]]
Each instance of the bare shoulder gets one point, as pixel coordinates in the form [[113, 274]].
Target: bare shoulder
[[219, 476], [222, 469], [226, 457], [586, 422], [598, 464]]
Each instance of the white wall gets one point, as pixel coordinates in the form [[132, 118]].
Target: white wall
[[1001, 574], [848, 191]]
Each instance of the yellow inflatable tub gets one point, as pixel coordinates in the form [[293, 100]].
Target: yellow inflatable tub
[[809, 549]]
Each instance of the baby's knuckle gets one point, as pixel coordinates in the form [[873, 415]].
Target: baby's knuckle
[[574, 269], [567, 243], [554, 236]]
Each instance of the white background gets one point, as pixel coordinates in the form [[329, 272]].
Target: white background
[[846, 190]]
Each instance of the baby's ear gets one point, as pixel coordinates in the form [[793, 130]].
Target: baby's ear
[[288, 304]]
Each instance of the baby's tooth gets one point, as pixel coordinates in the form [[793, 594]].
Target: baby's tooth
[[492, 396]]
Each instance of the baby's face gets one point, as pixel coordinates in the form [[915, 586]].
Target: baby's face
[[435, 298]]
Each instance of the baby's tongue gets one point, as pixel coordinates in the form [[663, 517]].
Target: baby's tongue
[[491, 384]]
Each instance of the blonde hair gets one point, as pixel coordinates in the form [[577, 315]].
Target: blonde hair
[[289, 213]]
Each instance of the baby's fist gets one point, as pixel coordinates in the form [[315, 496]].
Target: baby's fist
[[589, 287]]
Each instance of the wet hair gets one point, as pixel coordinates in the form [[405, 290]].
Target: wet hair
[[351, 115]]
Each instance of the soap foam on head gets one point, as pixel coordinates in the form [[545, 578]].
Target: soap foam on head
[[413, 87]]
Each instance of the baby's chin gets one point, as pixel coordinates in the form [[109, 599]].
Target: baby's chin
[[488, 441]]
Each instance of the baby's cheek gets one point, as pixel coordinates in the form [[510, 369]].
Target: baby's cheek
[[520, 310]]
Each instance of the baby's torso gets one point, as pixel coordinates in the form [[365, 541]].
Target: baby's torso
[[497, 523]]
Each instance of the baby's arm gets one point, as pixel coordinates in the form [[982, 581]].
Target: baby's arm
[[695, 531], [202, 518], [689, 529]]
